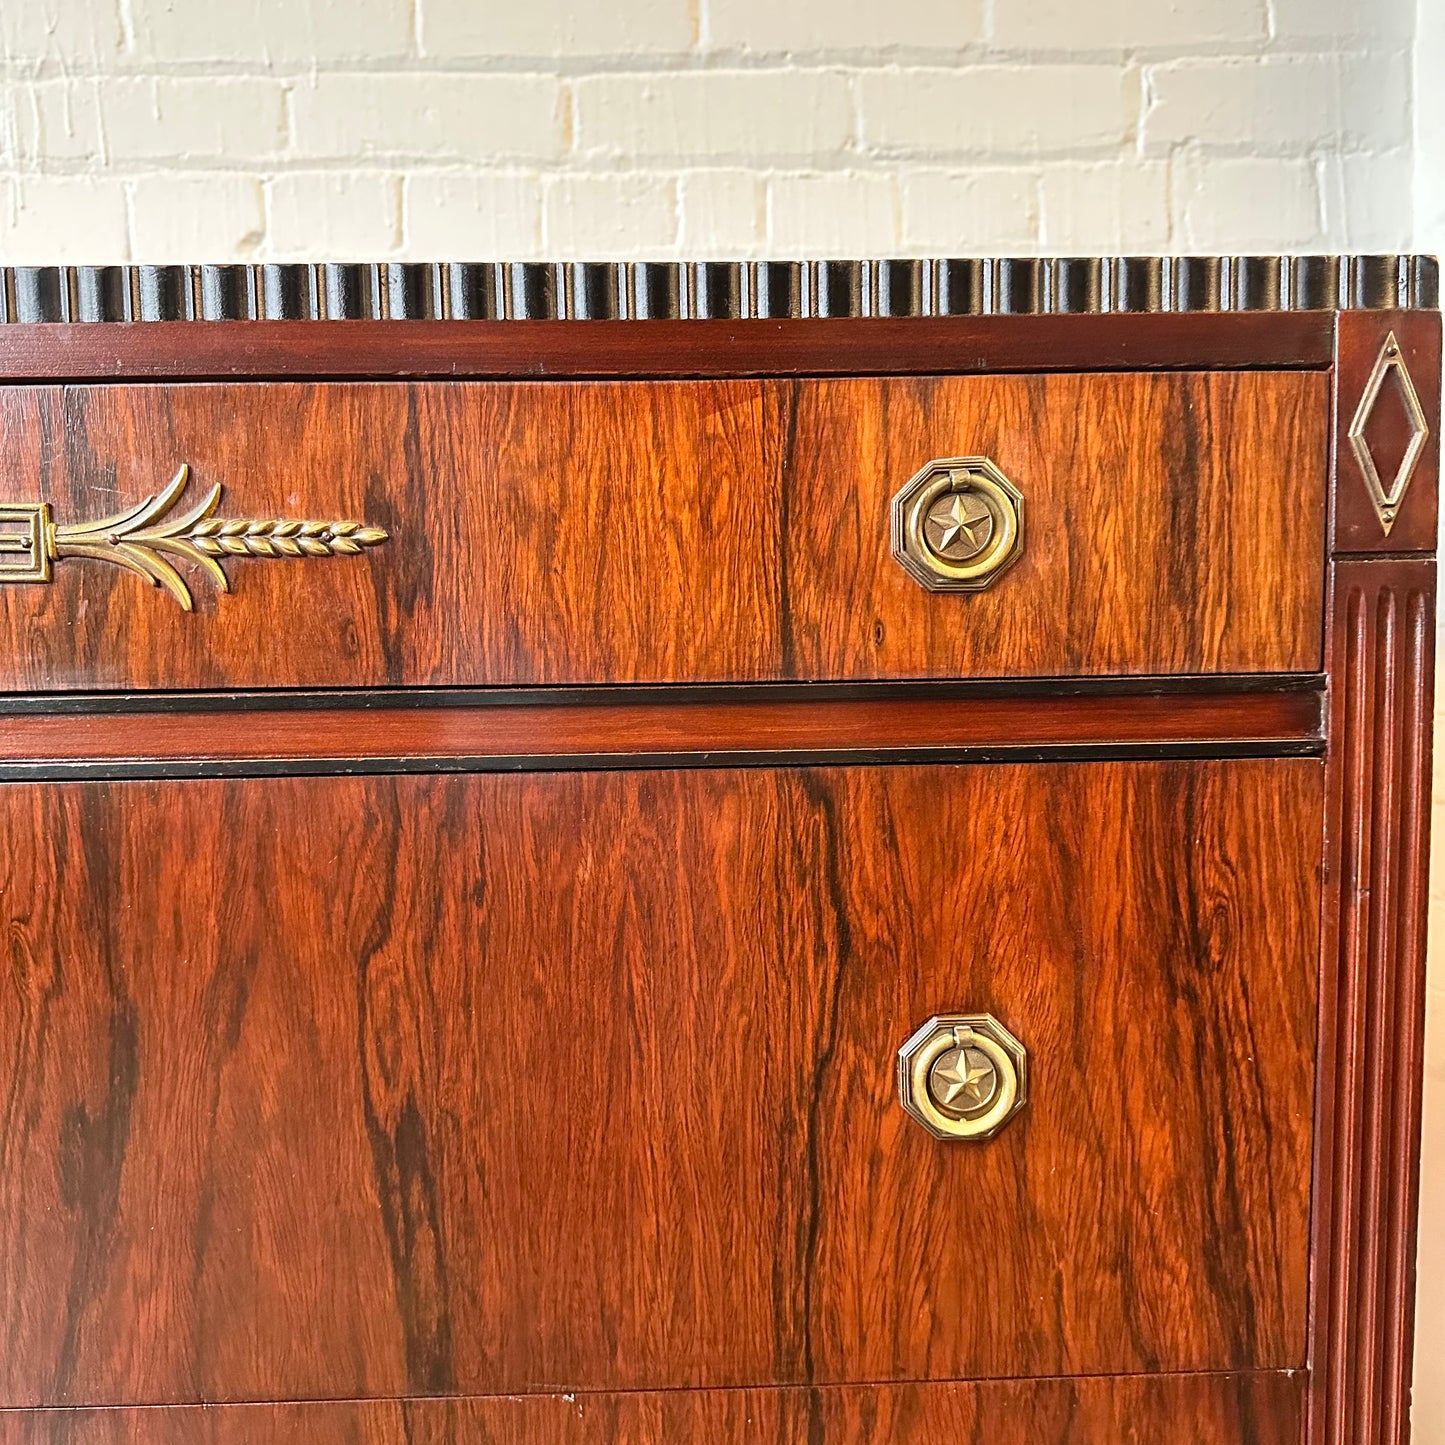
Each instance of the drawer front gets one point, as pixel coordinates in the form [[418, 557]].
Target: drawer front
[[1263, 1409], [364, 1087], [699, 531]]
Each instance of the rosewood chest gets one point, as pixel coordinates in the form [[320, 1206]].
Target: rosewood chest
[[826, 854]]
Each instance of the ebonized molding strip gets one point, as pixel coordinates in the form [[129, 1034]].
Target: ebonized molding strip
[[665, 694], [163, 770], [716, 290]]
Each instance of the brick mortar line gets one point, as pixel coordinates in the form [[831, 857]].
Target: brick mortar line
[[764, 167], [46, 70]]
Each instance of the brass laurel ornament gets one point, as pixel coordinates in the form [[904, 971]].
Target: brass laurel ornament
[[143, 538]]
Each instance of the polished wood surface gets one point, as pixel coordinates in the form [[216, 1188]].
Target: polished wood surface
[[696, 731], [728, 530], [1356, 525], [459, 349], [1262, 1409], [1372, 999], [360, 1087]]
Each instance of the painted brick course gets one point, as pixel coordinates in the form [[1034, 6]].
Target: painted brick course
[[1280, 104], [464, 29], [354, 118], [992, 110], [772, 27], [717, 115]]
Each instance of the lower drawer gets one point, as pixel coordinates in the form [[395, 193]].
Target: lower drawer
[[353, 1088], [1264, 1409]]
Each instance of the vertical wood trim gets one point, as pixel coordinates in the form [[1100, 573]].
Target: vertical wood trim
[[1371, 999]]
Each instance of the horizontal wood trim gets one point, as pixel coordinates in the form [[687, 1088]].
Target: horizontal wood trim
[[1262, 1408], [678, 730], [958, 689], [815, 347]]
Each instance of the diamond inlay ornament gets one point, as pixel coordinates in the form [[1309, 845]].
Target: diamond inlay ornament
[[1389, 367]]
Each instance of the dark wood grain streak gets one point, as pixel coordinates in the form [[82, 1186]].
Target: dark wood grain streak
[[1356, 526], [1261, 1409], [341, 1088], [416, 349], [731, 531], [1372, 1000], [617, 730]]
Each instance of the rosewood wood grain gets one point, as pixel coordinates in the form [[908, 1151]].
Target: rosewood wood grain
[[704, 732], [261, 350], [1372, 999], [1262, 1409], [682, 532], [1357, 527], [334, 1088]]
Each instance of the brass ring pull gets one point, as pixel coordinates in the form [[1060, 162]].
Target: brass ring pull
[[963, 1076], [957, 524]]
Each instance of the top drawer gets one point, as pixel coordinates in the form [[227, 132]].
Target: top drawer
[[688, 532]]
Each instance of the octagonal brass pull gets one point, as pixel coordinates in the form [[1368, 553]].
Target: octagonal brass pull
[[957, 524], [963, 1076]]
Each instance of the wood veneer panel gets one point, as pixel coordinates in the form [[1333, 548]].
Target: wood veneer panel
[[675, 730], [1372, 999], [457, 349], [369, 1087], [682, 532], [1264, 1409]]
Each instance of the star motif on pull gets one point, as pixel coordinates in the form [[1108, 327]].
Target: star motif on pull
[[963, 1081], [959, 525]]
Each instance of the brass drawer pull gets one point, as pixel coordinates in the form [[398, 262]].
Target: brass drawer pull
[[141, 540], [963, 1076], [957, 524]]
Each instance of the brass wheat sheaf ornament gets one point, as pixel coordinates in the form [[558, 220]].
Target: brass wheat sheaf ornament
[[144, 538]]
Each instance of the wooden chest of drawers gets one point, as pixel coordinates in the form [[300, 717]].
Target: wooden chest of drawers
[[821, 854]]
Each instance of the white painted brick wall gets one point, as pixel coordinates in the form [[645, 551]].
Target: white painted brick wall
[[170, 130], [417, 128]]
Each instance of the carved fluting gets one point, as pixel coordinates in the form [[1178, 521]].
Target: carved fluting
[[1372, 1000], [716, 290]]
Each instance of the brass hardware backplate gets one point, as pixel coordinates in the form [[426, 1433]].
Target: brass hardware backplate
[[957, 524], [142, 540], [963, 1076], [1386, 497], [25, 532]]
